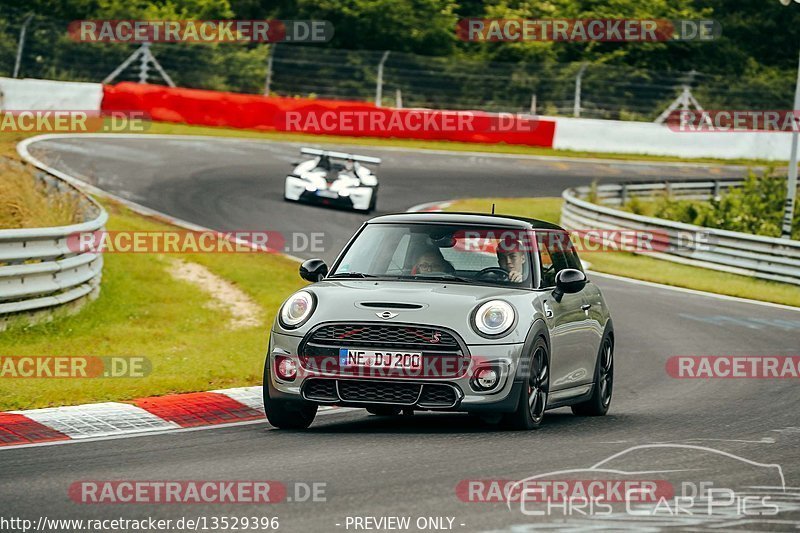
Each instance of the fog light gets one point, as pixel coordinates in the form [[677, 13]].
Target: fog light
[[486, 378], [286, 368]]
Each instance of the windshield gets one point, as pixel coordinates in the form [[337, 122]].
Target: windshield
[[433, 252]]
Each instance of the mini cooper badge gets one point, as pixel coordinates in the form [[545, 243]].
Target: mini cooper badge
[[386, 315]]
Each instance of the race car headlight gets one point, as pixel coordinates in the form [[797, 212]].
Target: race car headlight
[[297, 309], [494, 318]]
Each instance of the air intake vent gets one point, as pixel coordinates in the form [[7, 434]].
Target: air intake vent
[[391, 305]]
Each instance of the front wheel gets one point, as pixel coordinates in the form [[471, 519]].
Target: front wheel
[[533, 398], [600, 400], [287, 414]]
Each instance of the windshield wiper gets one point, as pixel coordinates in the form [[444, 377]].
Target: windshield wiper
[[352, 275], [443, 277]]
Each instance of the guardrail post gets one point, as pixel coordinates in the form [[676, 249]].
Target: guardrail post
[[668, 189], [576, 104], [716, 190], [623, 194], [21, 44], [379, 83]]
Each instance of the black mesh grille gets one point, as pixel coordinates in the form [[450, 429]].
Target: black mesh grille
[[320, 389], [438, 395], [377, 335], [371, 391]]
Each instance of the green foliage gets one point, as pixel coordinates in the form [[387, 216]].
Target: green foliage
[[635, 206], [756, 207]]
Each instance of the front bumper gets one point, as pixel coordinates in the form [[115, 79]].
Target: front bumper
[[430, 392]]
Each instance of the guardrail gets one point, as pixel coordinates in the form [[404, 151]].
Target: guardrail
[[39, 270], [762, 257]]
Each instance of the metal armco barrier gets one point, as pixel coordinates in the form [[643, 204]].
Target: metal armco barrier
[[762, 257], [38, 269]]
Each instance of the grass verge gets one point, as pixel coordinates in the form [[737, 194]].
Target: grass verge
[[639, 266], [26, 202], [143, 311]]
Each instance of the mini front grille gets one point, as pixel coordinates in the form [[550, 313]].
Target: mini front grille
[[438, 396], [385, 335], [323, 390], [384, 392]]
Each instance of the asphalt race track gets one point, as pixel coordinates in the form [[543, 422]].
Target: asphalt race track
[[410, 466]]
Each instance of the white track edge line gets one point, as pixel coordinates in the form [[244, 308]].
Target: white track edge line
[[160, 431], [564, 159]]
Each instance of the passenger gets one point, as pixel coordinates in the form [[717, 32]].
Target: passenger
[[431, 260]]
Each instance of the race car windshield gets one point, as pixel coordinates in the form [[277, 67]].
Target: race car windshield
[[462, 254]]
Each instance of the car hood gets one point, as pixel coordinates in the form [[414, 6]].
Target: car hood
[[438, 304]]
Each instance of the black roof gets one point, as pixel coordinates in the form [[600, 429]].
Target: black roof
[[439, 217]]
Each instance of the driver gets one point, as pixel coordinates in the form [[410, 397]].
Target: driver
[[512, 258]]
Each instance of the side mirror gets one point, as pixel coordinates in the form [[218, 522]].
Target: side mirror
[[568, 281], [313, 270]]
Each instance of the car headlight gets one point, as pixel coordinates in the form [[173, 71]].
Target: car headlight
[[494, 318], [297, 309]]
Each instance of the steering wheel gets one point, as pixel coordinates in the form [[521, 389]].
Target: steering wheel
[[496, 271]]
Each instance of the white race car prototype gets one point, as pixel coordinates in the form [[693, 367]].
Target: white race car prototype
[[335, 179]]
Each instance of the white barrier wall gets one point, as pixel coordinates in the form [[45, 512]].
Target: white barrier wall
[[29, 94], [593, 135]]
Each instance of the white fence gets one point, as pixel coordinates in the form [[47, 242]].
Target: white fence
[[729, 251], [40, 268], [29, 94], [647, 138]]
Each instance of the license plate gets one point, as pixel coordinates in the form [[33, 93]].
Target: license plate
[[371, 359], [328, 194]]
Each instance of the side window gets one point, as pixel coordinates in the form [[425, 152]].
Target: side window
[[555, 252], [572, 258]]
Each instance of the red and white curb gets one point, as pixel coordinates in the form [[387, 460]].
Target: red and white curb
[[142, 416]]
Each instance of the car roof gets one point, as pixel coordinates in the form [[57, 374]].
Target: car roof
[[464, 218]]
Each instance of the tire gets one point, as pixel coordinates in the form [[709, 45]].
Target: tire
[[373, 203], [533, 398], [600, 400], [384, 410], [286, 414]]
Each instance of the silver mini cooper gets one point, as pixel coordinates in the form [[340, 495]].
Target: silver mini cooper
[[486, 314]]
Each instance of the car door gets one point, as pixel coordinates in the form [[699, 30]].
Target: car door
[[571, 334]]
